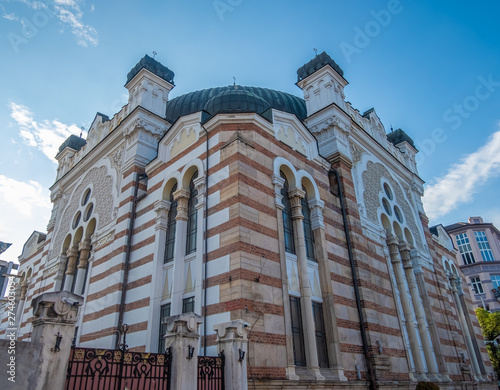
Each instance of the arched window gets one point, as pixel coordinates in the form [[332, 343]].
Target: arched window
[[287, 217], [192, 217], [308, 234], [170, 241]]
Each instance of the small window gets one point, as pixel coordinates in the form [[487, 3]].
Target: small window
[[86, 196], [398, 214], [170, 240], [477, 286], [88, 212], [287, 218], [299, 352], [76, 220], [495, 280], [164, 313], [192, 224], [308, 233], [188, 305], [319, 326], [484, 246], [465, 248], [387, 206], [388, 191]]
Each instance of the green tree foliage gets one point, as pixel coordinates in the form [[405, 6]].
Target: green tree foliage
[[490, 323]]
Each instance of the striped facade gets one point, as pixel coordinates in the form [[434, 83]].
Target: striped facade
[[239, 215]]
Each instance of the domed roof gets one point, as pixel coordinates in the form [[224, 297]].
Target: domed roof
[[234, 99]]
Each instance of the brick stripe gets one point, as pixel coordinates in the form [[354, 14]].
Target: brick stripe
[[242, 223], [243, 274], [244, 304], [267, 338], [243, 247]]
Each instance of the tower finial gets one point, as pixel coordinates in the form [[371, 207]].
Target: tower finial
[[315, 51], [81, 132], [234, 81], [154, 54]]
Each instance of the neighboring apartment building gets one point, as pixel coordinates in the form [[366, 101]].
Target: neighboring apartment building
[[301, 217], [478, 256]]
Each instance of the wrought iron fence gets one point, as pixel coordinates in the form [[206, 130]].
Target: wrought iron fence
[[108, 369], [211, 372]]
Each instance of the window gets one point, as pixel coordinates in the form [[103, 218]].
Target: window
[[477, 286], [484, 246], [170, 241], [164, 313], [319, 326], [192, 217], [308, 234], [287, 218], [188, 305], [465, 248], [495, 279], [299, 353]]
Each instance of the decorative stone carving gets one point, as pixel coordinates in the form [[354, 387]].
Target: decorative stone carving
[[103, 194], [289, 136], [356, 153], [372, 184]]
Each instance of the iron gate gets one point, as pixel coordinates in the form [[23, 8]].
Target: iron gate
[[109, 369], [211, 372]]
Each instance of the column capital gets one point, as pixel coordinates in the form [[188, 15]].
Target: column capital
[[278, 182], [182, 198], [162, 207], [296, 195]]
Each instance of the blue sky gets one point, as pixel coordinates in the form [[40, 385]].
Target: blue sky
[[430, 68]]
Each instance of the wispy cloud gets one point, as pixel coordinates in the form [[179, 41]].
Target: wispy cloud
[[68, 12], [46, 136], [21, 203], [463, 179]]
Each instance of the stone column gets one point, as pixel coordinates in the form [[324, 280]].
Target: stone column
[[392, 244], [183, 337], [290, 370], [404, 249], [20, 304], [182, 197], [296, 195], [55, 316], [438, 351], [332, 334], [456, 288], [198, 270], [232, 339], [83, 264], [72, 254]]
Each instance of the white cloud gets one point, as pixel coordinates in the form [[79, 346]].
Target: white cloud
[[69, 14], [47, 135], [463, 179], [24, 207]]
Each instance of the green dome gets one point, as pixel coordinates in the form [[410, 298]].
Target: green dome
[[234, 99]]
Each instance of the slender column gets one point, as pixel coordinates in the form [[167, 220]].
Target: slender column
[[83, 264], [332, 334], [290, 370], [438, 351], [404, 249], [296, 196], [182, 197], [20, 304], [456, 287], [72, 254], [392, 244], [199, 184]]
